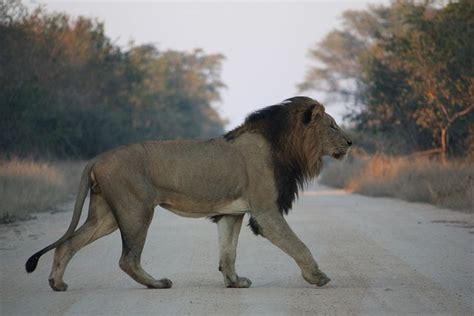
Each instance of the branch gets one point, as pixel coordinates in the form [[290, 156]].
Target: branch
[[443, 109], [462, 113]]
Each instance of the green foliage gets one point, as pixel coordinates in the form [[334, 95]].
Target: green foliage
[[408, 70], [68, 91]]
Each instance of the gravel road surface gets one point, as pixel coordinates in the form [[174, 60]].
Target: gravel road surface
[[384, 256]]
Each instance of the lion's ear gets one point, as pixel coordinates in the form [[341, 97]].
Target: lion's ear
[[313, 113], [317, 112]]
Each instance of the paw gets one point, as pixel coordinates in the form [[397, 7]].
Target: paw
[[240, 283], [161, 284], [57, 286], [318, 278]]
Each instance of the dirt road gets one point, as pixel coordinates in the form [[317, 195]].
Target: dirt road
[[384, 256]]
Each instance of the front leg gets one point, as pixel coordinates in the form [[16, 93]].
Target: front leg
[[228, 227], [273, 226]]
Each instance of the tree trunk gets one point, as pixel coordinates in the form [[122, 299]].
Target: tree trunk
[[444, 144]]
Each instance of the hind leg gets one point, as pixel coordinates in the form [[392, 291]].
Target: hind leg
[[100, 222], [134, 221]]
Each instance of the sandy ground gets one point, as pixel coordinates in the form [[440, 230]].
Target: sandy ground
[[384, 256]]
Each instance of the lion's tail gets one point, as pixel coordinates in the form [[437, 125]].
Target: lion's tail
[[76, 215]]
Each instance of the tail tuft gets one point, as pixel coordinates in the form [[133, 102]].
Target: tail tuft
[[32, 263]]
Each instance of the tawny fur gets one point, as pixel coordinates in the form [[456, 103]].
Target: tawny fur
[[257, 168]]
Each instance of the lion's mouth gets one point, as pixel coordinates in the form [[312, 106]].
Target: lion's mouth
[[339, 154]]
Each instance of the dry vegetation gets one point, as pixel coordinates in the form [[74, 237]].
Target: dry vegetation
[[27, 186], [448, 185]]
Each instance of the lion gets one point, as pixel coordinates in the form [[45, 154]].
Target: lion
[[256, 169]]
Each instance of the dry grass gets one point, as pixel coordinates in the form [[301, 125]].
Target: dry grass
[[27, 186], [450, 185]]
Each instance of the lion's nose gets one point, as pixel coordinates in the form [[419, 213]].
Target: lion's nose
[[349, 142]]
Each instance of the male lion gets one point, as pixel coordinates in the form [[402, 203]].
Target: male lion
[[256, 168]]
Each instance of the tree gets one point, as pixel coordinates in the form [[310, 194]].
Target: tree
[[176, 92], [68, 91], [437, 55], [407, 69], [339, 57]]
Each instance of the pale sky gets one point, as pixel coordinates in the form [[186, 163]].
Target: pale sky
[[265, 43]]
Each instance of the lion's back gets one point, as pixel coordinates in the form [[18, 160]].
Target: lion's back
[[204, 169]]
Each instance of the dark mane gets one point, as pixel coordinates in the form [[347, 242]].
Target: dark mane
[[281, 125], [271, 122]]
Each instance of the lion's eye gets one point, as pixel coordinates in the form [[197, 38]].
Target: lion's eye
[[333, 127]]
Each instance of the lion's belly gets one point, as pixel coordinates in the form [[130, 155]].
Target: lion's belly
[[196, 209], [238, 206]]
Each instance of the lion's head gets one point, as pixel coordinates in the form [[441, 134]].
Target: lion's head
[[320, 127], [300, 133]]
